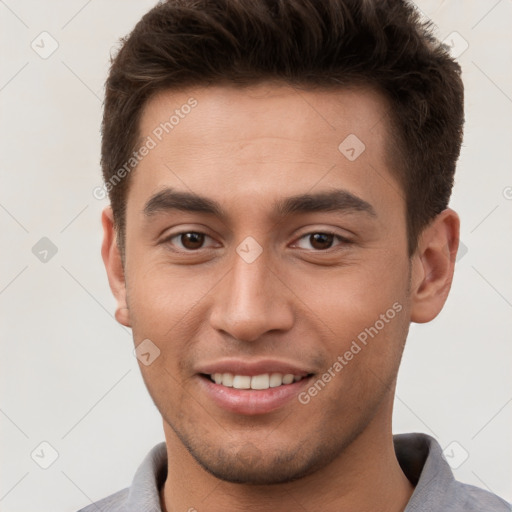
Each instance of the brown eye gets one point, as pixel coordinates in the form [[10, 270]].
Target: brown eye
[[192, 240], [321, 240], [187, 241], [318, 241]]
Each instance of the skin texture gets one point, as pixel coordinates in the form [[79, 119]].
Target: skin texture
[[299, 301]]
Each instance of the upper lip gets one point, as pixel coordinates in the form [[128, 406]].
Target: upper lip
[[252, 368]]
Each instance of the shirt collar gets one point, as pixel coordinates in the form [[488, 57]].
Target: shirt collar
[[421, 459]]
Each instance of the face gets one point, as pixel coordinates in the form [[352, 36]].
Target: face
[[292, 261]]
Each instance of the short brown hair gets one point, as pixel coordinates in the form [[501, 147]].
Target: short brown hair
[[304, 43]]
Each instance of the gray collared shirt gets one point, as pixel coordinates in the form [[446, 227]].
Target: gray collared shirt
[[419, 455]]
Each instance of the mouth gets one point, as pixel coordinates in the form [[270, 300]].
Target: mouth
[[253, 394], [254, 382]]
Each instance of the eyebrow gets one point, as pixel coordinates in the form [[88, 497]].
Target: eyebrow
[[337, 200]]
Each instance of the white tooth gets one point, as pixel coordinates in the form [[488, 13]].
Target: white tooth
[[288, 378], [227, 380], [276, 379], [296, 378], [242, 382], [260, 381], [217, 377]]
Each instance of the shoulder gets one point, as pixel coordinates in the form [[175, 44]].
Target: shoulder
[[114, 503], [473, 499], [423, 462]]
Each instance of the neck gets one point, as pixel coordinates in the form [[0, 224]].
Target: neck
[[366, 476]]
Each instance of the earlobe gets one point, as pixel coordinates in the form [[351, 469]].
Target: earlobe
[[114, 267], [122, 315], [433, 265]]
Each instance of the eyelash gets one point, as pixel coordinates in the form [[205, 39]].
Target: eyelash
[[343, 241]]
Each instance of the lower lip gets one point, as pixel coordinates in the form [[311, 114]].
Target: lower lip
[[252, 401]]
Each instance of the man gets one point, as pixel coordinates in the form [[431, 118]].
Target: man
[[279, 175]]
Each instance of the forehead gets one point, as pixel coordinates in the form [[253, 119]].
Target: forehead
[[238, 143], [268, 110]]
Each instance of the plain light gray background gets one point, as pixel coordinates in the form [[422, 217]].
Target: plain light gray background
[[68, 374]]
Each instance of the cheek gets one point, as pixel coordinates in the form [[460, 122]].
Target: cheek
[[348, 299], [167, 306], [361, 318], [363, 360], [160, 296]]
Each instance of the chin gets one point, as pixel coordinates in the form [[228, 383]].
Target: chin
[[265, 472], [253, 465]]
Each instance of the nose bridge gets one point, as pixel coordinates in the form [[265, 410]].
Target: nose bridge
[[251, 300]]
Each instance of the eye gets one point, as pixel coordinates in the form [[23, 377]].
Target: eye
[[187, 240], [322, 240]]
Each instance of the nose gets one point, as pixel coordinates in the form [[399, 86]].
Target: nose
[[251, 300]]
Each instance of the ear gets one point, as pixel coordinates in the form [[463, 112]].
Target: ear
[[433, 264], [114, 266]]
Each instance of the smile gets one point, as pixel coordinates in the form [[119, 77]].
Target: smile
[[260, 382]]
